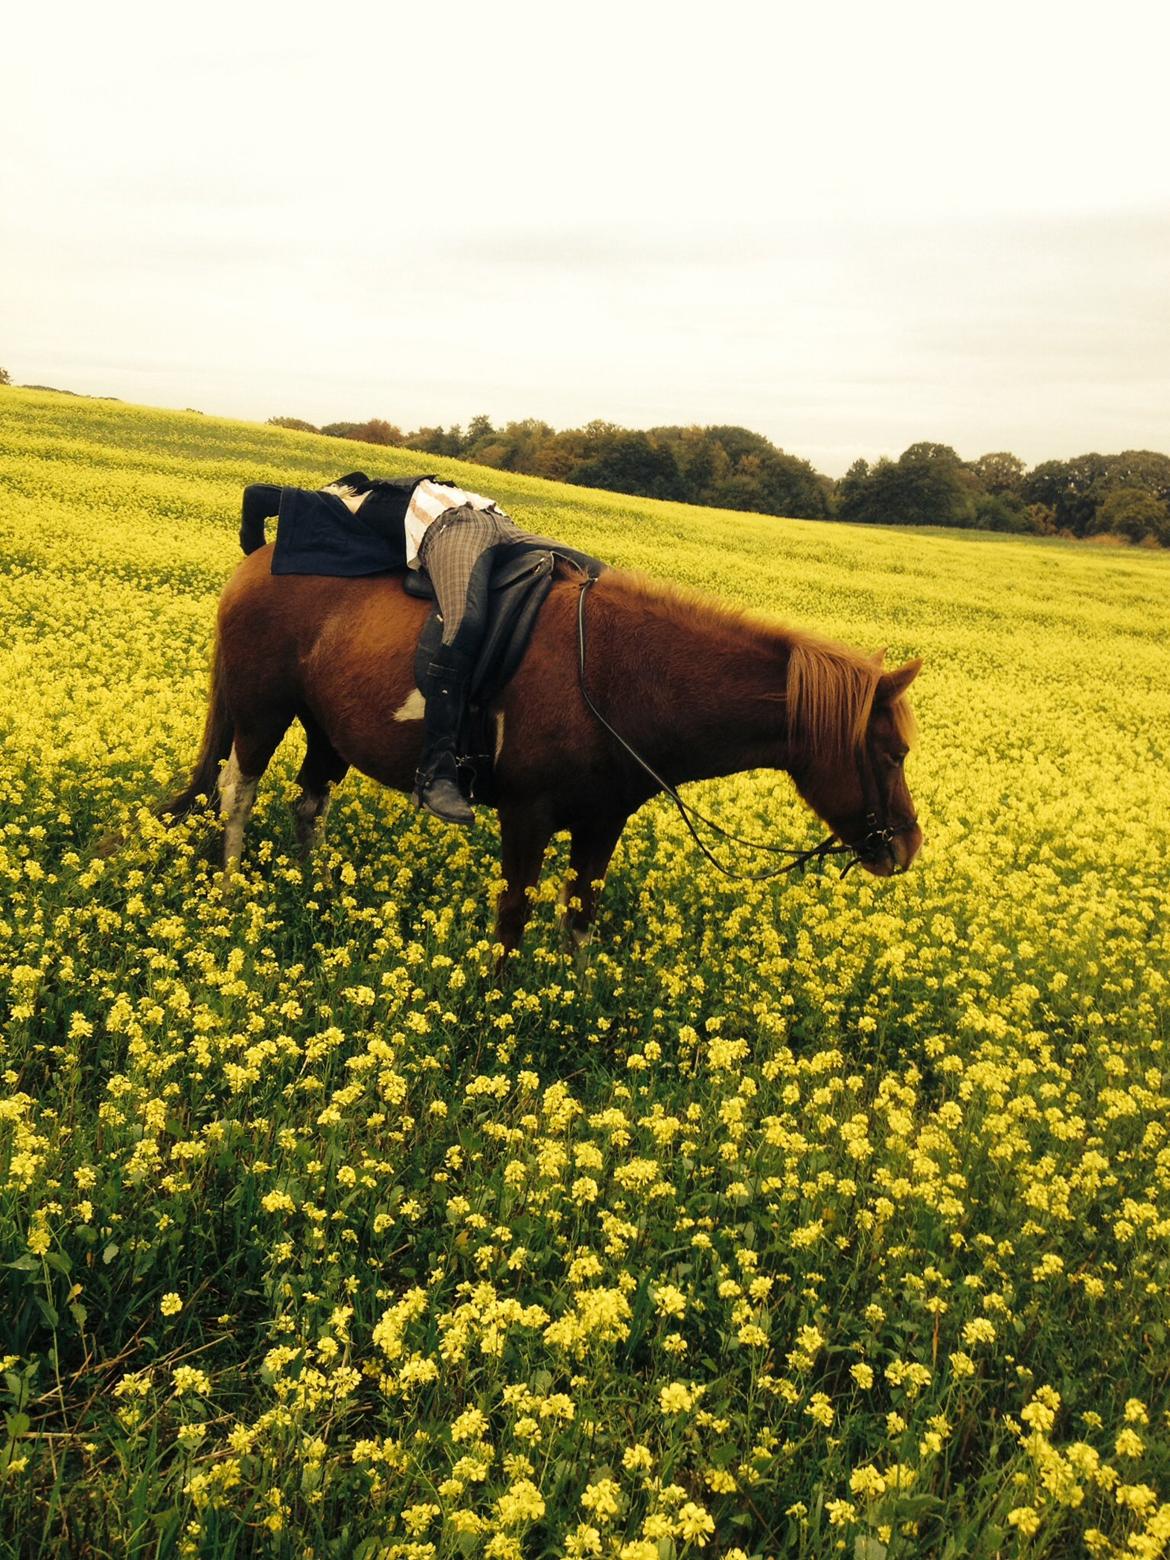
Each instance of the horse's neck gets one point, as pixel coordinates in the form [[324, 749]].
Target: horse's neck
[[698, 695]]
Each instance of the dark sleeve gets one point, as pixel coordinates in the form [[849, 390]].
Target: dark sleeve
[[261, 502]]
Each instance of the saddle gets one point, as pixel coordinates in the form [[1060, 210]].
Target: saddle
[[508, 587]]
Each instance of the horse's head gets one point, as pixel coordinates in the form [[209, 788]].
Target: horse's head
[[851, 740]]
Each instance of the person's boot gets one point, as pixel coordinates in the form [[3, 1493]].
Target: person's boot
[[436, 784]]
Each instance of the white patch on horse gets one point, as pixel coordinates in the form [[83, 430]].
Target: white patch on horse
[[413, 707], [236, 794], [499, 734], [229, 779]]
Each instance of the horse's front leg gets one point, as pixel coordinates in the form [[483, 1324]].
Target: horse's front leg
[[524, 834], [322, 768], [592, 845]]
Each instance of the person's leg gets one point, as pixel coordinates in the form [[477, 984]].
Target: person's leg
[[448, 555]]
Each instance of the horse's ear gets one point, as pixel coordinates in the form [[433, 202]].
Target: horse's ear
[[878, 657], [892, 685]]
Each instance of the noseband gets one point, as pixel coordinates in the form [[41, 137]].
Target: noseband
[[878, 839]]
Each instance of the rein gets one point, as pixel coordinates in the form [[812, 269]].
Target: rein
[[801, 858]]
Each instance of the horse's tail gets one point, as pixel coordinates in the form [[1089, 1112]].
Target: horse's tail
[[217, 744]]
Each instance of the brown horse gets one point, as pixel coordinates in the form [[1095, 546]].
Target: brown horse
[[696, 688]]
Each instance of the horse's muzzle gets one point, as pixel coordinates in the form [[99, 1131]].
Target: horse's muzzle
[[891, 857]]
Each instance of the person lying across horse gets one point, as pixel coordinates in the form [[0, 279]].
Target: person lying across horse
[[358, 525]]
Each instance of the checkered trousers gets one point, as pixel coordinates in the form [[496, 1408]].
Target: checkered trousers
[[450, 548]]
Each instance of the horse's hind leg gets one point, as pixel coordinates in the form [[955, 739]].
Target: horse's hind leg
[[322, 769], [237, 792], [239, 779]]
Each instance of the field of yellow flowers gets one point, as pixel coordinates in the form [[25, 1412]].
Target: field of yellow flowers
[[812, 1218]]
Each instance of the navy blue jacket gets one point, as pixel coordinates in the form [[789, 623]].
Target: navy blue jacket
[[318, 534]]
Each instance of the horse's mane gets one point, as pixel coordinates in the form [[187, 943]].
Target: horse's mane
[[830, 688]]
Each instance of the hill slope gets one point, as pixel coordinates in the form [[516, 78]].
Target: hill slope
[[833, 1210]]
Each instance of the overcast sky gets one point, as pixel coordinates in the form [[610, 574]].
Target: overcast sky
[[848, 227]]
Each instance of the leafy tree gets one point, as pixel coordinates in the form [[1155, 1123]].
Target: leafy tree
[[598, 430], [5, 377], [932, 487], [512, 448], [498, 452], [1140, 469], [1002, 512], [1135, 513], [630, 463], [436, 441], [478, 428], [377, 431], [556, 457], [1041, 519], [926, 485], [851, 492], [701, 458], [734, 468], [297, 424], [1000, 472], [1071, 489], [875, 498]]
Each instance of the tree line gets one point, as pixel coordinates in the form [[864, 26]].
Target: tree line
[[1125, 496], [727, 467]]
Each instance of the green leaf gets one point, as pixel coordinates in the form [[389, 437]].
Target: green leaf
[[110, 1252], [911, 1507], [17, 1425], [866, 1548]]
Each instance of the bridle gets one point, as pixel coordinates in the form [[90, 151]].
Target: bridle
[[879, 837]]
